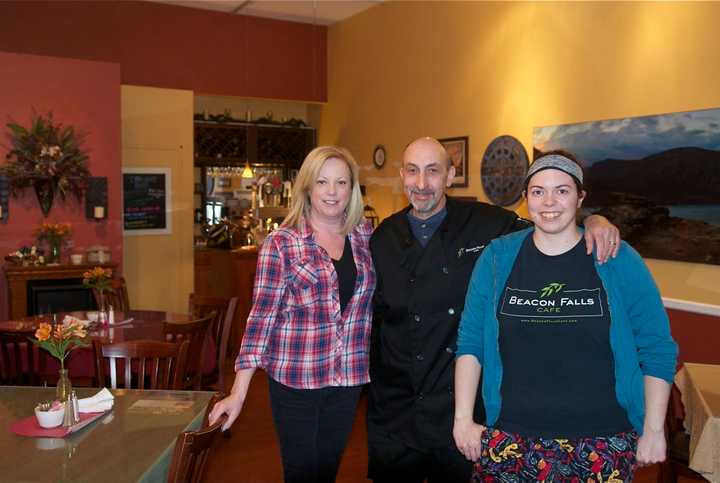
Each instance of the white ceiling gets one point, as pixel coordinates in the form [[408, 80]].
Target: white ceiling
[[321, 12]]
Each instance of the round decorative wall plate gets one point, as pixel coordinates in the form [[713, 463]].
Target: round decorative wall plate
[[379, 156], [504, 166]]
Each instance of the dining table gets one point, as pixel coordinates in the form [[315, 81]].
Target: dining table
[[699, 386], [134, 441], [128, 326]]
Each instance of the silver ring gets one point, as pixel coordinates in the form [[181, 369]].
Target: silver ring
[[612, 242]]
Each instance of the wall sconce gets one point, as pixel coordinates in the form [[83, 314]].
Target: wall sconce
[[4, 198], [96, 198]]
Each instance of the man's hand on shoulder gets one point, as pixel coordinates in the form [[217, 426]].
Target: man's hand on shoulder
[[603, 236]]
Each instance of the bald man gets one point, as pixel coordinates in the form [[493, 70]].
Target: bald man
[[424, 256]]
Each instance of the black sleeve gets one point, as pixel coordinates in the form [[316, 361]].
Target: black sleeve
[[517, 224]]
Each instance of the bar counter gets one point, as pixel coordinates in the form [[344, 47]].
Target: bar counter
[[228, 273]]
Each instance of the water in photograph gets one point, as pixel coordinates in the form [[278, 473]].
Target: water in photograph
[[707, 213]]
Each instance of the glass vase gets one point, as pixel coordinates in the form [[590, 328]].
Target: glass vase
[[102, 309], [54, 252], [64, 387]]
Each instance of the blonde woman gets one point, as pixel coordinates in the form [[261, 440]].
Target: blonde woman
[[309, 326]]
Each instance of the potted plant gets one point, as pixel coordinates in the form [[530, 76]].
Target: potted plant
[[59, 340], [47, 157], [55, 234]]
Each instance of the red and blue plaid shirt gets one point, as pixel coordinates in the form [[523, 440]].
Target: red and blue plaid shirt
[[295, 330]]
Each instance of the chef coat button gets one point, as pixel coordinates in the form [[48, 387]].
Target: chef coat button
[[419, 357], [421, 396], [417, 318], [451, 311], [412, 280], [448, 350], [445, 270]]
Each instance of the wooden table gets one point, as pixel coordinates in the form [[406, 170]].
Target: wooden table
[[133, 442], [699, 385], [145, 325]]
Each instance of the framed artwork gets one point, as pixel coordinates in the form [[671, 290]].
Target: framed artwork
[[457, 149], [656, 177], [146, 201]]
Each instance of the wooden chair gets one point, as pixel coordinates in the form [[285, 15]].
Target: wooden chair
[[678, 444], [165, 362], [222, 324], [118, 297], [195, 332], [20, 360], [193, 447]]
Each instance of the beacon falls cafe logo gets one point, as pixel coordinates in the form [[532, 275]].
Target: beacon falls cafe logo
[[552, 301]]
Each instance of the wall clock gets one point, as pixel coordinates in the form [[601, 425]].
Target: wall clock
[[379, 156]]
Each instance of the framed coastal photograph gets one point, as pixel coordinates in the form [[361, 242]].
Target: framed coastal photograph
[[457, 149], [656, 177]]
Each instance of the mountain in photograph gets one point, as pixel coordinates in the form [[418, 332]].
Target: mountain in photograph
[[677, 176]]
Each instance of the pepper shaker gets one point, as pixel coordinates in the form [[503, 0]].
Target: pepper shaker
[[75, 407], [68, 419]]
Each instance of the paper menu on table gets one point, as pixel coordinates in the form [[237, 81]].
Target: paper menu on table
[[158, 406]]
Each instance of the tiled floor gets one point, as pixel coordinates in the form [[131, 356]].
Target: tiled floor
[[251, 454]]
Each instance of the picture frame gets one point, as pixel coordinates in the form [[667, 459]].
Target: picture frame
[[458, 148], [147, 208]]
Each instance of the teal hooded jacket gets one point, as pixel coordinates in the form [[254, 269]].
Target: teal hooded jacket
[[640, 337]]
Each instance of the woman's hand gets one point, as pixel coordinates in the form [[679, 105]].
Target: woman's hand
[[468, 436], [231, 405], [651, 447]]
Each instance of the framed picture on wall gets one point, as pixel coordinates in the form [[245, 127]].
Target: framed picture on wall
[[457, 149], [146, 201]]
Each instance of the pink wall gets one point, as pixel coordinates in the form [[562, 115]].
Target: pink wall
[[176, 47], [85, 95]]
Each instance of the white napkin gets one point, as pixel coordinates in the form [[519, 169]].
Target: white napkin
[[102, 401]]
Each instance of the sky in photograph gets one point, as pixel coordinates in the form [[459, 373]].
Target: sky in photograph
[[632, 138]]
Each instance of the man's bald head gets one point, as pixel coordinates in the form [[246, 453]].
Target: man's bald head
[[426, 147]]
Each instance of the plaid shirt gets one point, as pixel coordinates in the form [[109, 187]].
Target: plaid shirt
[[295, 330]]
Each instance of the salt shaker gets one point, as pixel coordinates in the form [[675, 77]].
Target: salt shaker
[[75, 407], [68, 419]]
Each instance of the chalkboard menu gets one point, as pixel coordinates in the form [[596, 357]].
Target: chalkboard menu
[[146, 200]]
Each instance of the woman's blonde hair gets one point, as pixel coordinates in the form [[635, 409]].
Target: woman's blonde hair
[[309, 172]]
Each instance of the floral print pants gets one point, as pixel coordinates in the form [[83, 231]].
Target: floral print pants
[[511, 458]]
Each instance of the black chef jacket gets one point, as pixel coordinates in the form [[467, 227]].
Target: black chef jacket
[[419, 298]]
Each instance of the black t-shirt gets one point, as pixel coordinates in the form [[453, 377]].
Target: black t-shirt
[[558, 367], [347, 274]]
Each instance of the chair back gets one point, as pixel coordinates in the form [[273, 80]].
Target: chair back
[[193, 447], [118, 297], [221, 326], [158, 365], [19, 359], [195, 332]]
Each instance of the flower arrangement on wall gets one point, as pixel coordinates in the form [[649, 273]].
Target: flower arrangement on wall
[[47, 157]]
